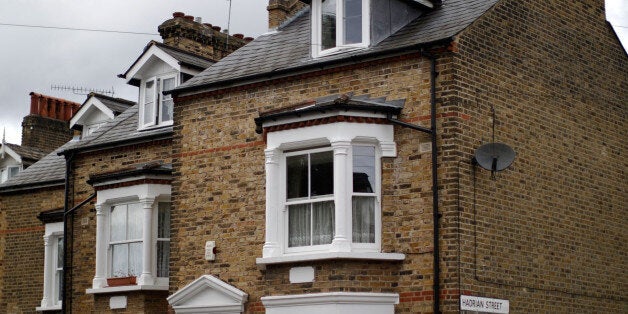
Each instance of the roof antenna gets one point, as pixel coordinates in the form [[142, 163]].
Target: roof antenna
[[228, 27], [494, 156], [83, 90]]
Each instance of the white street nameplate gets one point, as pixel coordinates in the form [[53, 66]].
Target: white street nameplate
[[485, 305]]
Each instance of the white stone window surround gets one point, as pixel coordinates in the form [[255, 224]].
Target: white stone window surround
[[155, 118], [148, 195], [340, 136], [50, 301], [317, 35], [332, 303]]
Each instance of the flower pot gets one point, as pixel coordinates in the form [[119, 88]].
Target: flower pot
[[121, 281]]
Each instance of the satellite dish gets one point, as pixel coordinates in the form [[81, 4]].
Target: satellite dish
[[494, 156]]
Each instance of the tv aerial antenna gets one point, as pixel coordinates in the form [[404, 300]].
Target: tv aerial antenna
[[83, 90], [494, 156]]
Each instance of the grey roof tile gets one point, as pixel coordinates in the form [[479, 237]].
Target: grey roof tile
[[289, 48], [185, 57], [48, 170], [117, 105], [26, 152], [123, 128]]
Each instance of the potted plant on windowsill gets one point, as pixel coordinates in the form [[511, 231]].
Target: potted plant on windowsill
[[121, 281]]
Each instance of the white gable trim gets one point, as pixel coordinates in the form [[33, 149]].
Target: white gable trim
[[208, 294], [7, 150], [90, 103], [152, 51]]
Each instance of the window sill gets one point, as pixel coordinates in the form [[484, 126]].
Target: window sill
[[127, 289], [393, 257], [48, 308]]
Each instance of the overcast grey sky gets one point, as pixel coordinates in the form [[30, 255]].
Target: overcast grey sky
[[33, 59]]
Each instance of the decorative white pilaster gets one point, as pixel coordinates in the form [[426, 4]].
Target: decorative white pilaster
[[45, 301], [100, 278], [147, 277], [342, 203], [271, 246]]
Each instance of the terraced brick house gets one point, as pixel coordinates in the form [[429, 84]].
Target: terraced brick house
[[337, 164], [103, 199], [330, 165]]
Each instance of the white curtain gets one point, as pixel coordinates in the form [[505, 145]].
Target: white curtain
[[310, 224], [363, 219]]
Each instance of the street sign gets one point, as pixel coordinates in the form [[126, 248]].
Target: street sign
[[484, 305]]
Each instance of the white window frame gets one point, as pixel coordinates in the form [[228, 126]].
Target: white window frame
[[341, 137], [149, 196], [309, 200], [317, 46], [50, 301], [156, 118]]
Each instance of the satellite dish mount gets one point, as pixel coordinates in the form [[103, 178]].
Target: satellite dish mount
[[494, 156]]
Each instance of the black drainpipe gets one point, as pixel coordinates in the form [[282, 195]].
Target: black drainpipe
[[67, 280], [66, 210], [432, 132]]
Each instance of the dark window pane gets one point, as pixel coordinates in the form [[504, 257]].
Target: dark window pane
[[363, 169], [163, 220], [297, 181], [328, 24], [322, 173], [353, 21]]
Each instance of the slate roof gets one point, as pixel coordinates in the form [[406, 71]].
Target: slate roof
[[26, 152], [334, 102], [117, 105], [50, 170], [122, 129], [184, 57], [288, 49]]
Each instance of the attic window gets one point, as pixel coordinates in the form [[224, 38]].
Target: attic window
[[156, 107], [339, 24]]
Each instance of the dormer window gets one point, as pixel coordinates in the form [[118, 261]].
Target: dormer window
[[338, 25], [156, 108]]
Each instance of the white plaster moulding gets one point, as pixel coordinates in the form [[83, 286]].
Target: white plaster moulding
[[392, 257]]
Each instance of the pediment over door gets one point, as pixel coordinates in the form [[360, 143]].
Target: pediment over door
[[208, 294]]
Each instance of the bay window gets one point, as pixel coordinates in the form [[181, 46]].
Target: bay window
[[132, 235], [339, 24], [323, 192]]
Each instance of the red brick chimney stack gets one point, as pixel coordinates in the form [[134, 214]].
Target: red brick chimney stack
[[47, 125], [51, 107]]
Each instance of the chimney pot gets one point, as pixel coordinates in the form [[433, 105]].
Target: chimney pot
[[216, 28], [178, 14], [189, 17]]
